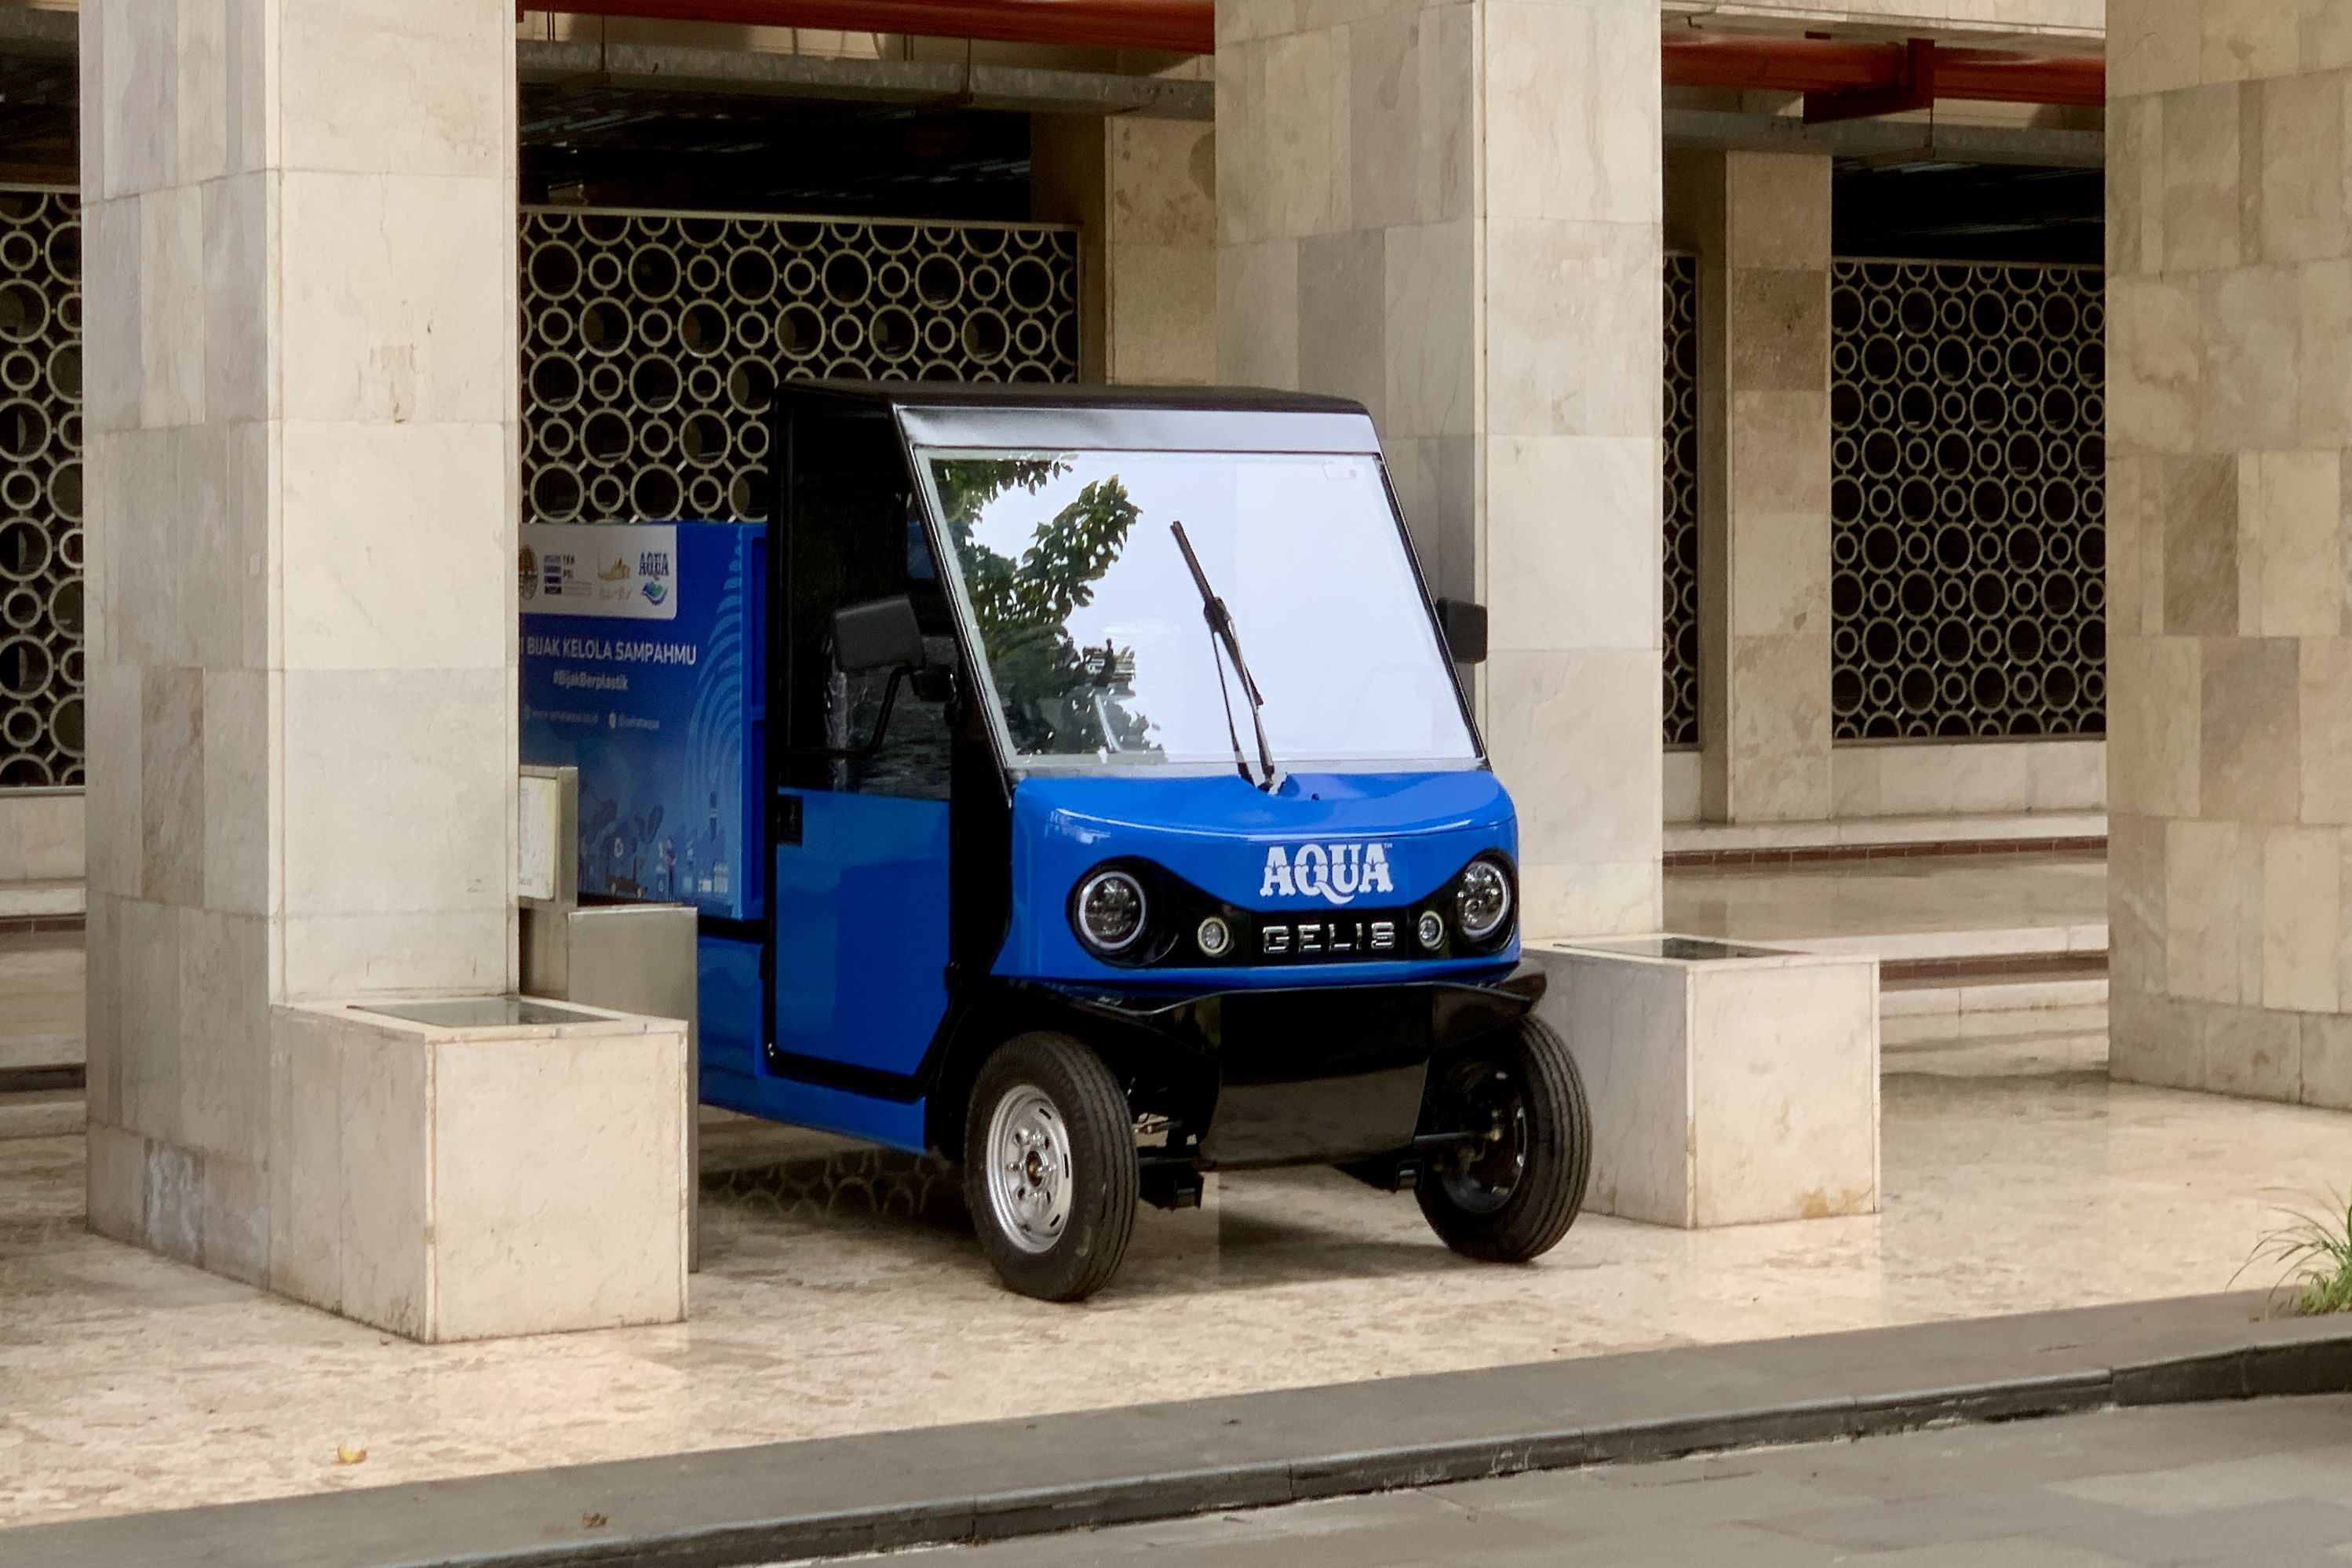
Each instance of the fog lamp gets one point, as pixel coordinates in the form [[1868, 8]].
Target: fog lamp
[[1214, 936], [1430, 929]]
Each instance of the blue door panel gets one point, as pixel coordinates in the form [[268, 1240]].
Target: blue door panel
[[862, 930], [893, 1123]]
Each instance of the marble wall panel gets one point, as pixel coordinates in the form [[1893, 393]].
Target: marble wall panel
[[385, 1099], [364, 587], [1724, 1093], [522, 1240], [1342, 317], [306, 1160], [1565, 498], [1970, 777], [424, 86], [2290, 567], [1430, 272], [1159, 237], [458, 1185], [1784, 1082], [2326, 1061], [2247, 396]]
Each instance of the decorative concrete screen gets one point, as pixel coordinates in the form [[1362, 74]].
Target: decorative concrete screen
[[1968, 500], [40, 489], [1682, 501], [652, 341]]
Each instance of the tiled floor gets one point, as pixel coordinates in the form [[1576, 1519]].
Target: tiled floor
[[2261, 1483], [836, 1301]]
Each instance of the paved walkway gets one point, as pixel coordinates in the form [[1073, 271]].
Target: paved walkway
[[2268, 1483], [845, 1294]]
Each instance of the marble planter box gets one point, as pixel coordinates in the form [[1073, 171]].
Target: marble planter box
[[1730, 1084], [479, 1167]]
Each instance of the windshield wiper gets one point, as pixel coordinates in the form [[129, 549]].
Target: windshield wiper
[[1220, 631]]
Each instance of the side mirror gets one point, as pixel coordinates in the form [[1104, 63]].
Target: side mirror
[[1463, 625], [881, 633]]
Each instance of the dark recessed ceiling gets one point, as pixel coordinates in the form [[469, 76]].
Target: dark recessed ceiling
[[1970, 212], [38, 102], [611, 147]]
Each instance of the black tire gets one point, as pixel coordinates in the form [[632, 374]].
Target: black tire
[[1070, 1259], [1512, 1196]]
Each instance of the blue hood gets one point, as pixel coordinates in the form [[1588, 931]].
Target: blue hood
[[1324, 843]]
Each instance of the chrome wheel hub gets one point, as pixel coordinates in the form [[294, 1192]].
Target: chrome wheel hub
[[1029, 1175]]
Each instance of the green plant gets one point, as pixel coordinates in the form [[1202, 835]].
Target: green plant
[[2313, 1250]]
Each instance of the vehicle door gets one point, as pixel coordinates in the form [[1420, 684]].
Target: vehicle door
[[860, 895]]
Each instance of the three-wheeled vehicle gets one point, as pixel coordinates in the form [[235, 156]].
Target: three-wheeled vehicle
[[1101, 805]]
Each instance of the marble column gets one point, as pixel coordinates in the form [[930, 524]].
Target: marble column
[[1759, 224], [2230, 667], [1449, 210], [301, 417]]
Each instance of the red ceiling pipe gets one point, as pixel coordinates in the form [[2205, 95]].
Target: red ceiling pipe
[[1990, 76], [1189, 27], [1821, 65], [1185, 27]]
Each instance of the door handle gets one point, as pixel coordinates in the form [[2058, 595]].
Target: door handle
[[784, 819]]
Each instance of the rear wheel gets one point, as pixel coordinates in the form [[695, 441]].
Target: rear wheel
[[1512, 1188], [1050, 1171]]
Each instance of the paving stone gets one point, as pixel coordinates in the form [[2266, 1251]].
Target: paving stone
[[2264, 1483]]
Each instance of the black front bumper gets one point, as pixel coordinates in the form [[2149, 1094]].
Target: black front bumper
[[1302, 1074]]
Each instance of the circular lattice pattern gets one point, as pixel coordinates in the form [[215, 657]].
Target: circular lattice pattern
[[41, 724], [1969, 500], [652, 341], [1682, 501]]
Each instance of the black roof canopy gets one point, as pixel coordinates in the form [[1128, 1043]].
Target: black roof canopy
[[1033, 415]]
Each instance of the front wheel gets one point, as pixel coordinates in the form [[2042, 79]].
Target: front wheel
[[1050, 1172], [1511, 1189]]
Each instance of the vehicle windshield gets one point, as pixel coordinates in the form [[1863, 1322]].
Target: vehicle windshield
[[1092, 630]]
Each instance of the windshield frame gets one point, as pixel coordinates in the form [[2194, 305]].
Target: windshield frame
[[982, 680]]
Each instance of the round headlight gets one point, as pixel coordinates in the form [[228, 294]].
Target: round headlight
[[1430, 929], [1214, 937], [1482, 904], [1110, 912]]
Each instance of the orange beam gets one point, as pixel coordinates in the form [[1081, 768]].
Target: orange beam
[[1184, 26], [1189, 27], [1830, 66]]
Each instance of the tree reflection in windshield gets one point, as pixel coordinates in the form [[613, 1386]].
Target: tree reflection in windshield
[[1072, 699]]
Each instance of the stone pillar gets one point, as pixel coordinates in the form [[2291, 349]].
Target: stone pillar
[[1144, 195], [1450, 211], [301, 417], [2230, 668], [1760, 223]]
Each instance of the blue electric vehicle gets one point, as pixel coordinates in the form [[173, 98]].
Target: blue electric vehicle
[[1123, 822]]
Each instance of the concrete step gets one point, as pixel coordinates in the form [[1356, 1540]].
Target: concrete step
[[41, 1002], [42, 1114], [1699, 843], [1991, 1009], [2027, 1025], [2086, 942], [41, 900]]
